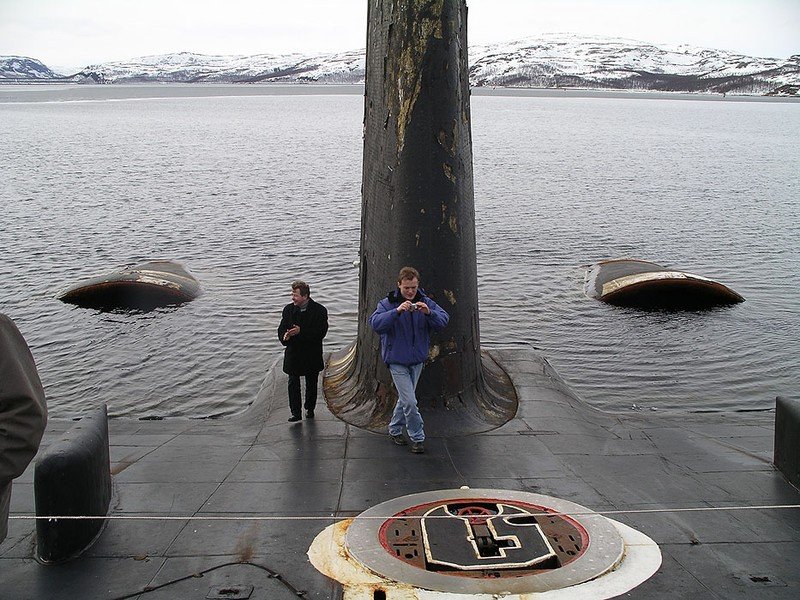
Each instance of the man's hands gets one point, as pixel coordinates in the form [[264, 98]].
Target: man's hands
[[406, 307], [290, 333]]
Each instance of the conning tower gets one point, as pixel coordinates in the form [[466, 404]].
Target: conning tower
[[418, 209]]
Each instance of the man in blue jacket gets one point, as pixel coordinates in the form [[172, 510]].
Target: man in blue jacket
[[404, 320]]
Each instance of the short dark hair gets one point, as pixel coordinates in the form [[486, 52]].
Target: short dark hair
[[302, 287], [407, 273]]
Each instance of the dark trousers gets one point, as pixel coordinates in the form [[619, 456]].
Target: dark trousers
[[294, 392]]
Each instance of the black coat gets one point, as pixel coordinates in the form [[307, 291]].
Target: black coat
[[303, 354], [23, 411]]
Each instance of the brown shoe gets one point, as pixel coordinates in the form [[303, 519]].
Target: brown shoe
[[418, 447], [399, 439]]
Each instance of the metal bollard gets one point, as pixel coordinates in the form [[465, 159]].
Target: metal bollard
[[786, 455], [73, 478]]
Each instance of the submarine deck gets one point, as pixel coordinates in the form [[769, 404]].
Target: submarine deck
[[233, 497]]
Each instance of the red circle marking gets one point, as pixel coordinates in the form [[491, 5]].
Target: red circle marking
[[472, 510], [476, 515]]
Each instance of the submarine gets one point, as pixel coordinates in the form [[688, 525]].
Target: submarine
[[527, 492], [143, 286]]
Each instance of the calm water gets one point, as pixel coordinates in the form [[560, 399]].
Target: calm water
[[251, 187]]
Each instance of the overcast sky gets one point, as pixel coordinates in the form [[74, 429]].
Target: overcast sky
[[68, 34]]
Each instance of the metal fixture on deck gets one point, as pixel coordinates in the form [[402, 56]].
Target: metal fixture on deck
[[465, 542]]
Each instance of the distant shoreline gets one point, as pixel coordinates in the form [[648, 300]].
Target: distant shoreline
[[32, 91]]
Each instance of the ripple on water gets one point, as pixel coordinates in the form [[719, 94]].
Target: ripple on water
[[252, 192]]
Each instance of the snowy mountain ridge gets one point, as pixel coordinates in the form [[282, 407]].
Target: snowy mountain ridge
[[23, 67], [563, 60], [545, 61]]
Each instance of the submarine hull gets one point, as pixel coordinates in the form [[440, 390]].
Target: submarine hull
[[647, 285], [145, 286]]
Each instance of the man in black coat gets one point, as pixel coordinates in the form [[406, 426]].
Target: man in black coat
[[303, 326]]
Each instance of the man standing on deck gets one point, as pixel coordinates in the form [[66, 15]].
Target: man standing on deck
[[404, 320], [304, 324]]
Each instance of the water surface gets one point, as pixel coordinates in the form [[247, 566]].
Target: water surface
[[252, 186]]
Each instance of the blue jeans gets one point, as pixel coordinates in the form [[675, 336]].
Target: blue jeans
[[406, 413]]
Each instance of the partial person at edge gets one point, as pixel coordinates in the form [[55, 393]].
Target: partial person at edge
[[23, 412]]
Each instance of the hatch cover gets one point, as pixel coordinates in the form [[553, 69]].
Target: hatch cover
[[484, 541], [480, 541], [478, 538]]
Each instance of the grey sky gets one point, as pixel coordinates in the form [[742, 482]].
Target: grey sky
[[66, 34]]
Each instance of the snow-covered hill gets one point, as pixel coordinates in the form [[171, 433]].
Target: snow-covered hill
[[186, 67], [549, 61], [22, 67], [563, 60]]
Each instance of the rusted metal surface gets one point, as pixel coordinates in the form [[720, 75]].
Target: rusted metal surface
[[329, 556], [418, 210]]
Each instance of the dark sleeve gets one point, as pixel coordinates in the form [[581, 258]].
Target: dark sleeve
[[438, 317], [324, 330], [383, 318], [286, 323], [23, 408], [318, 326]]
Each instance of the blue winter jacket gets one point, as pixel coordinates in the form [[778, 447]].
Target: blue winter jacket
[[405, 338]]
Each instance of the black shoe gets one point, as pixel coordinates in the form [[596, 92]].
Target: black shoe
[[398, 439], [309, 414], [417, 447], [294, 419]]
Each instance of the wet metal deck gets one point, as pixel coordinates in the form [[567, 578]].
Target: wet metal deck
[[261, 490]]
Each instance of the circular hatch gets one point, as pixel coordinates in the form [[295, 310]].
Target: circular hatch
[[484, 541]]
